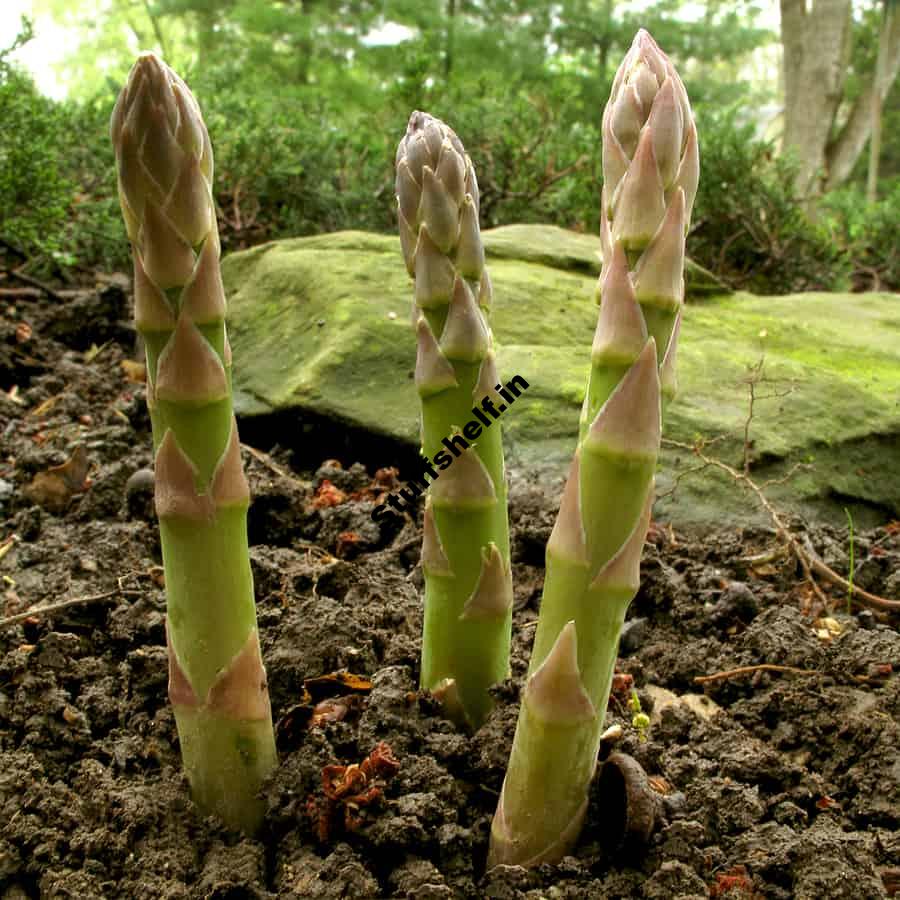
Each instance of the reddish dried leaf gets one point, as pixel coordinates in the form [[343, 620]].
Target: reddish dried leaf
[[328, 495], [733, 883], [349, 789], [346, 540], [381, 762]]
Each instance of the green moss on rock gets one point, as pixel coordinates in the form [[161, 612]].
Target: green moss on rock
[[321, 324]]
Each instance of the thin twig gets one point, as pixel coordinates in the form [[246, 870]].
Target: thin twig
[[780, 528], [693, 470], [35, 282], [820, 568], [20, 292], [66, 604], [797, 467], [269, 463], [808, 559], [748, 670], [753, 378]]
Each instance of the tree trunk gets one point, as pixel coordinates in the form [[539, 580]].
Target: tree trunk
[[604, 40], [874, 150], [450, 41], [157, 31], [815, 35], [844, 151]]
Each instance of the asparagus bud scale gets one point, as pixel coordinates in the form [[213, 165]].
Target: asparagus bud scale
[[217, 683], [650, 169], [465, 553]]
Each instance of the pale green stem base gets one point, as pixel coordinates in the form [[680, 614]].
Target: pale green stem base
[[551, 765], [211, 608], [227, 762]]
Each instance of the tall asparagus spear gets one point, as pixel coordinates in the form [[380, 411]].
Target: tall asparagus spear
[[465, 553], [650, 167], [217, 683]]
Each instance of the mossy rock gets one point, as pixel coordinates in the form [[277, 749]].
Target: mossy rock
[[321, 326]]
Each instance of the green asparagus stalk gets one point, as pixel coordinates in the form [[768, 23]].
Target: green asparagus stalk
[[650, 166], [465, 553], [217, 683]]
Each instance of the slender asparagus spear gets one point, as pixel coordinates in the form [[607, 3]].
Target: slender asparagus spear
[[465, 553], [650, 166], [217, 683]]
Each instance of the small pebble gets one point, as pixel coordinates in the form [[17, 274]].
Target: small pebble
[[634, 634], [139, 495], [737, 602], [674, 804], [29, 523]]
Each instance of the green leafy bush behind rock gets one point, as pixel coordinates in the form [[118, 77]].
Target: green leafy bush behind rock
[[749, 226], [869, 232], [35, 187], [298, 160], [57, 197]]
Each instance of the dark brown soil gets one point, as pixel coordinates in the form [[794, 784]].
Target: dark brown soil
[[777, 785]]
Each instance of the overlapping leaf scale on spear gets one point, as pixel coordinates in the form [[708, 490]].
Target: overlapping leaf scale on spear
[[165, 169], [437, 205], [650, 166]]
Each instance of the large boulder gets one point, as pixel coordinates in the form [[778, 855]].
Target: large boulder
[[320, 326]]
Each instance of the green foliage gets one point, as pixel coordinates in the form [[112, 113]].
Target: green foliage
[[93, 229], [306, 104], [34, 188], [869, 16], [295, 165], [57, 205], [534, 162], [749, 226], [306, 160], [869, 234]]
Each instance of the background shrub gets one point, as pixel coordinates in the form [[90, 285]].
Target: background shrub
[[749, 225], [35, 185], [305, 155], [58, 204], [869, 234]]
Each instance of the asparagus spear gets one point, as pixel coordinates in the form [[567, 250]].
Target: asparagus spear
[[650, 166], [217, 683], [465, 553]]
